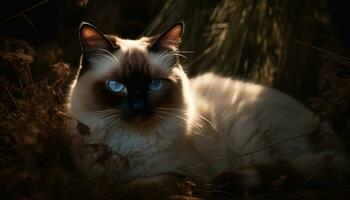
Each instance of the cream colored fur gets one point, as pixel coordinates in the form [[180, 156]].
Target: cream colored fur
[[224, 124]]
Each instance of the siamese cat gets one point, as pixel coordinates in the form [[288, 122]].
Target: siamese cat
[[140, 108]]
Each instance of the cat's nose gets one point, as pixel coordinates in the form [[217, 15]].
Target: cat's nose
[[138, 105]]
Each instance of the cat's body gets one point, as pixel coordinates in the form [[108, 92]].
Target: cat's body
[[199, 128]]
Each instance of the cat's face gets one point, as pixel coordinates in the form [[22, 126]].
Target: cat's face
[[137, 82]]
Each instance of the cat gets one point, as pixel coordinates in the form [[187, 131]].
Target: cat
[[138, 106]]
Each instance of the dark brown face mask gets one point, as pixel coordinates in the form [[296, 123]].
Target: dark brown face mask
[[131, 89]]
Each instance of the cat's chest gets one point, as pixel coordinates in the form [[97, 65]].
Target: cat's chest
[[134, 155], [140, 155]]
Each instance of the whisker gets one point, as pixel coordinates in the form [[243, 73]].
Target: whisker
[[103, 112], [173, 114], [178, 54], [197, 133], [113, 120], [199, 115], [163, 118], [186, 51], [108, 116]]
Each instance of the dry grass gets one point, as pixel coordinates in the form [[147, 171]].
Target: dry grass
[[240, 38], [254, 40], [333, 101], [35, 156], [35, 150]]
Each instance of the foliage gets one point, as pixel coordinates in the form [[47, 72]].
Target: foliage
[[253, 40]]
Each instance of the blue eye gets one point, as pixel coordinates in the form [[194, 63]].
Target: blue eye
[[115, 86], [156, 84]]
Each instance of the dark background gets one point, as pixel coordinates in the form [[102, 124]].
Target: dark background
[[283, 44], [45, 24], [299, 47], [322, 23]]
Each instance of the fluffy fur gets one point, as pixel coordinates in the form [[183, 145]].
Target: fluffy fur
[[205, 126]]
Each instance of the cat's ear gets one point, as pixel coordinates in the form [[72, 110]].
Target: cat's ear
[[168, 40], [91, 38]]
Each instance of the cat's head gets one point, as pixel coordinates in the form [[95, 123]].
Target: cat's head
[[139, 83]]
